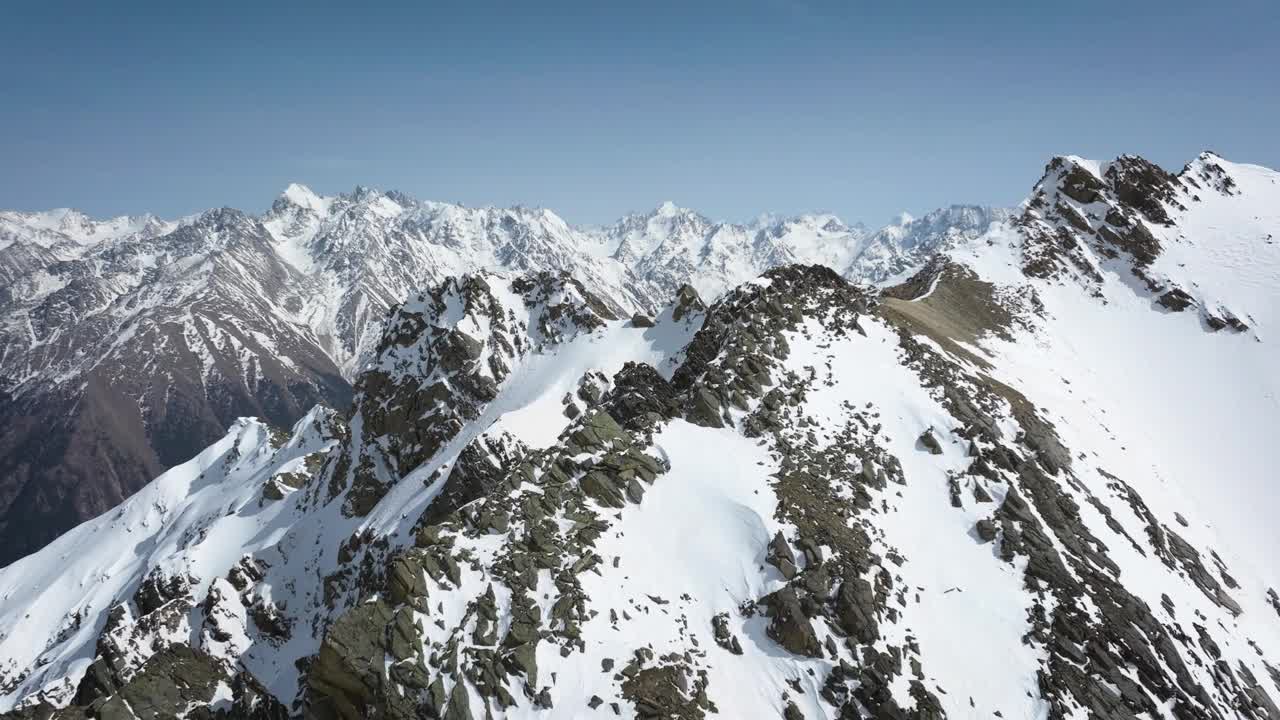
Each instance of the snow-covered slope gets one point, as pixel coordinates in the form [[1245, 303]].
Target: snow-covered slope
[[1016, 485], [1176, 343]]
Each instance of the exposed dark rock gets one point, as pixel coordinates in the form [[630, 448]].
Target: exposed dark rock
[[855, 610], [788, 625], [1144, 186], [640, 397], [459, 704], [1079, 184], [176, 678], [159, 589], [780, 556], [687, 302], [723, 636], [929, 442], [1176, 299], [481, 466], [705, 409], [346, 679], [665, 691], [986, 530]]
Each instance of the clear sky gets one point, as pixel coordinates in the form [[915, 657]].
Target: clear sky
[[597, 108]]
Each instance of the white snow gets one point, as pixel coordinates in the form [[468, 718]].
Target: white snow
[[305, 198], [697, 542]]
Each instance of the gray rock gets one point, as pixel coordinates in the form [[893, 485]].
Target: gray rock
[[930, 443], [986, 530], [780, 556], [705, 409], [459, 703], [788, 625], [855, 610]]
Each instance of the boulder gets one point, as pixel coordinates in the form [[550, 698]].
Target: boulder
[[788, 625], [986, 530], [704, 409], [346, 676], [930, 443], [780, 556], [855, 610], [601, 488]]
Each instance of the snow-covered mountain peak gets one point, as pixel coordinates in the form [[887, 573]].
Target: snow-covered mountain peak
[[303, 198], [666, 214], [226, 219], [215, 231], [372, 200], [1075, 161], [1176, 239], [445, 325], [668, 230], [362, 193], [1212, 171]]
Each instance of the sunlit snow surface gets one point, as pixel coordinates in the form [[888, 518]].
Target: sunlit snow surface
[[197, 518]]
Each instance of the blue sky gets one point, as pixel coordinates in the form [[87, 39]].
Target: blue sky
[[594, 109]]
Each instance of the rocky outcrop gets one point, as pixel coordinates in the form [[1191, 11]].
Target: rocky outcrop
[[788, 625], [1083, 220], [432, 374], [347, 676]]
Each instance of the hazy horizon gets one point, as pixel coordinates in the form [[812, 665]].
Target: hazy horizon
[[732, 110]]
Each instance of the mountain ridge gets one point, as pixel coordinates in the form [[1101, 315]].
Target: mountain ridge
[[75, 299]]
